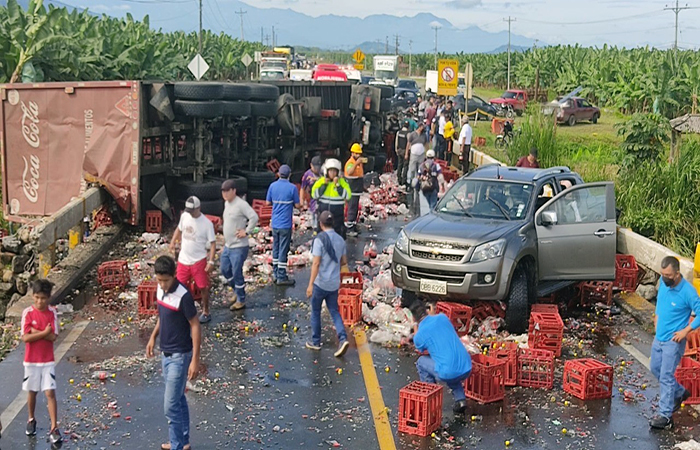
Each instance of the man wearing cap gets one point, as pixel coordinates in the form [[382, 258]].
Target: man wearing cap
[[284, 197], [400, 146], [354, 173], [307, 181], [239, 221], [197, 233], [328, 258], [465, 144]]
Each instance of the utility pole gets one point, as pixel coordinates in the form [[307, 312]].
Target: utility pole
[[436, 28], [267, 40], [509, 20], [386, 45], [410, 55], [240, 12], [200, 27], [676, 10], [396, 47], [261, 36], [273, 36]]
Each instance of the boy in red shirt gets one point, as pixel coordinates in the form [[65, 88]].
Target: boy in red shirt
[[39, 332]]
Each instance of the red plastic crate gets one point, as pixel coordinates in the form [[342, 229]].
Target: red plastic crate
[[692, 344], [486, 384], [148, 304], [216, 221], [273, 165], [626, 273], [688, 375], [545, 332], [596, 292], [350, 305], [154, 221], [420, 408], [460, 315], [351, 280], [102, 218], [544, 308], [264, 215], [508, 352], [484, 309], [588, 379], [535, 368], [257, 203], [112, 274]]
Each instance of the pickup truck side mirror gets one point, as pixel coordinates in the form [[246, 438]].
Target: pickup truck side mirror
[[549, 218]]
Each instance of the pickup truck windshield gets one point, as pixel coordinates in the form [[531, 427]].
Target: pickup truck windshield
[[487, 199], [509, 94]]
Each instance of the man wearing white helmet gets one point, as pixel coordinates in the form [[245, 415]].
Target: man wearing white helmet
[[331, 192]]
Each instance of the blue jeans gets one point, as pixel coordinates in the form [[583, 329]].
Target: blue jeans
[[175, 369], [427, 374], [331, 298], [281, 240], [432, 198], [665, 357], [232, 260]]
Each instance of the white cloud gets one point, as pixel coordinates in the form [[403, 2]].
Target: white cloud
[[108, 8], [463, 4]]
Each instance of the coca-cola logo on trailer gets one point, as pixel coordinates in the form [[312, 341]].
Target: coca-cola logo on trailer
[[31, 135]]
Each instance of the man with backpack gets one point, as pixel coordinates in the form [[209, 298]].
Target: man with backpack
[[430, 179]]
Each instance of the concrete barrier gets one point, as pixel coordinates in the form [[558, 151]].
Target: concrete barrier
[[648, 252], [479, 158]]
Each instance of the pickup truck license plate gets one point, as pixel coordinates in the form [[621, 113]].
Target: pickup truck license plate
[[433, 287]]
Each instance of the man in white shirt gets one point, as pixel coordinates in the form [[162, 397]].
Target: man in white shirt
[[197, 233], [465, 144]]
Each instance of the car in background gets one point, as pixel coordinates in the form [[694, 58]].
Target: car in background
[[486, 110], [408, 85], [403, 98], [366, 79], [572, 110]]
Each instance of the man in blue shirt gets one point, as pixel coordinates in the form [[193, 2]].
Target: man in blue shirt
[[676, 300], [447, 360], [283, 196], [329, 257]]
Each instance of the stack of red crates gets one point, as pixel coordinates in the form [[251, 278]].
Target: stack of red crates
[[148, 304], [102, 218], [484, 309], [351, 280], [588, 379], [596, 292], [626, 273], [460, 315], [112, 274], [420, 408], [486, 384], [688, 375], [546, 331], [535, 368], [263, 211], [508, 352], [154, 221], [216, 221], [350, 305], [545, 308], [692, 344]]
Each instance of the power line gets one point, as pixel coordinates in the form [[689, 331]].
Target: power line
[[509, 20], [241, 13], [676, 10], [396, 48], [591, 22]]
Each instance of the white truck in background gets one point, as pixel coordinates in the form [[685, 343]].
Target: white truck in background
[[386, 69]]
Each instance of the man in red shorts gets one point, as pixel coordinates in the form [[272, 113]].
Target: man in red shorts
[[197, 233]]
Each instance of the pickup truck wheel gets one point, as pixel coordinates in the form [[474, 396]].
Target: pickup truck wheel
[[572, 120], [517, 310], [594, 119], [236, 91], [262, 92], [201, 109], [203, 91]]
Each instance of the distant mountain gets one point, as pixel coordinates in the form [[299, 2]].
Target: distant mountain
[[328, 31], [513, 48]]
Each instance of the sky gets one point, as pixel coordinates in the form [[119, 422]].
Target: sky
[[586, 22]]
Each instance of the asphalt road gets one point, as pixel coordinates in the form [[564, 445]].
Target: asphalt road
[[263, 389]]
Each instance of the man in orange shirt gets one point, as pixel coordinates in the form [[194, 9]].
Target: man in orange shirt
[[354, 174]]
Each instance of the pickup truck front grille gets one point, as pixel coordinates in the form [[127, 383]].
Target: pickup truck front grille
[[440, 244], [439, 257], [441, 275]]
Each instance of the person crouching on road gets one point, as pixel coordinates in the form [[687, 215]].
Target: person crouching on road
[[239, 221], [197, 233], [354, 174], [329, 257], [180, 341], [284, 197], [448, 361], [331, 192], [676, 300], [307, 181]]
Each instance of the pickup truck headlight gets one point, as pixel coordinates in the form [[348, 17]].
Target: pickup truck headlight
[[489, 250], [402, 242]]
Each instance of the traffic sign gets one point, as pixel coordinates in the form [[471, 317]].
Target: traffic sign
[[358, 56], [447, 76], [360, 66], [246, 60], [198, 66]]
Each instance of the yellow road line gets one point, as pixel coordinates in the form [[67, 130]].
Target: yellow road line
[[376, 402]]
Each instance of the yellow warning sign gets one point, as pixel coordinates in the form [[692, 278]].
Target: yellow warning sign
[[360, 66], [447, 76], [358, 56]]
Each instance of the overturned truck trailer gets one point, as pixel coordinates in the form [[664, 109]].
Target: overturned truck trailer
[[141, 140]]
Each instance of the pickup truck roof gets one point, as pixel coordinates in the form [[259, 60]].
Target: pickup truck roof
[[520, 174]]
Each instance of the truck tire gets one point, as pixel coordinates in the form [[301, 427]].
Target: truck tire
[[236, 91], [207, 190], [258, 180], [241, 183], [262, 92], [387, 91], [213, 207], [256, 194], [518, 308], [572, 120], [385, 105], [595, 118], [203, 91], [236, 109], [201, 109], [263, 109]]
